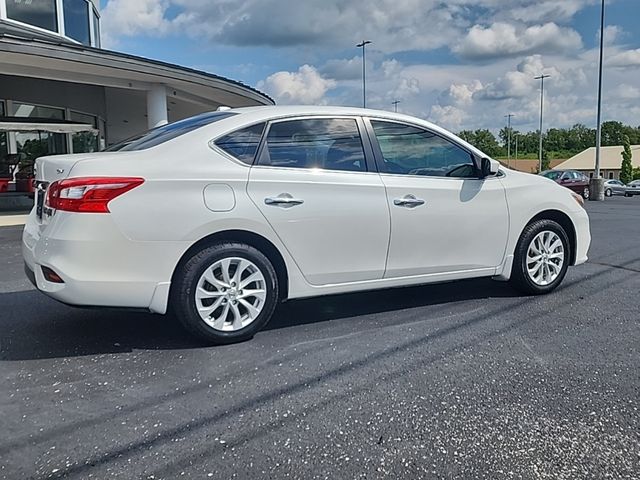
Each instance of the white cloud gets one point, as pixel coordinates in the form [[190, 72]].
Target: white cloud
[[306, 86], [612, 34], [624, 59], [627, 92], [506, 39], [127, 18]]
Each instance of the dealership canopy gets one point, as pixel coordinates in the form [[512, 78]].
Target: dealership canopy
[[30, 124]]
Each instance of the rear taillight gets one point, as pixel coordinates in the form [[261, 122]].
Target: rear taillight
[[89, 194]]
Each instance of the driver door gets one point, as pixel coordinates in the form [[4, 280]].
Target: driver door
[[443, 218]]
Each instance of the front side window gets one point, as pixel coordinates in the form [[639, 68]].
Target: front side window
[[242, 144], [408, 150], [76, 20], [40, 13], [323, 143], [159, 135]]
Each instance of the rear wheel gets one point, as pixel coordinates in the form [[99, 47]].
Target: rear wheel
[[608, 192], [585, 193], [541, 258], [225, 293]]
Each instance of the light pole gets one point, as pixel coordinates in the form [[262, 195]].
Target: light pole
[[597, 184], [516, 166], [508, 117], [364, 71], [395, 105], [541, 78]]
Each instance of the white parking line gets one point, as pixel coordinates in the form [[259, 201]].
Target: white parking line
[[12, 220]]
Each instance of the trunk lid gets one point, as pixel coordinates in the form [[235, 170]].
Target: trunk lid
[[57, 167]]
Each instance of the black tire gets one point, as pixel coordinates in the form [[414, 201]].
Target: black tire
[[520, 278], [186, 279], [585, 193], [608, 192]]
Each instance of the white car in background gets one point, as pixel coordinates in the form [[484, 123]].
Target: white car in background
[[221, 216]]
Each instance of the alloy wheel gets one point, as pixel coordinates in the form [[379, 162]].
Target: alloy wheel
[[231, 294], [585, 193], [545, 258]]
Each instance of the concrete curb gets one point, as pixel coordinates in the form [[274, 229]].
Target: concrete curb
[[12, 220]]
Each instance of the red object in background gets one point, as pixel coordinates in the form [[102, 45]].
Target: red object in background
[[26, 185], [4, 185]]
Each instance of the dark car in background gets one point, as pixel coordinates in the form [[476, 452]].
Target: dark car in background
[[572, 179], [633, 188]]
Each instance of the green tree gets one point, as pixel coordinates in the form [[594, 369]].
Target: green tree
[[626, 170], [636, 173], [612, 133], [546, 164]]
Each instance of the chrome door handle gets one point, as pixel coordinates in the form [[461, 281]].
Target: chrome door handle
[[410, 201], [284, 199]]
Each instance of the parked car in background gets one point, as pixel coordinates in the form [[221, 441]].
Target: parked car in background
[[221, 216], [614, 187], [572, 179], [633, 188]]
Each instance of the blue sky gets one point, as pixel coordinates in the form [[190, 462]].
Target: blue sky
[[460, 63]]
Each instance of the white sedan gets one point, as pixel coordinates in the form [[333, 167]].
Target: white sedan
[[221, 216]]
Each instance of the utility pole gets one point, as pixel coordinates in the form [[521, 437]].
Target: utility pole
[[597, 185], [508, 117], [516, 152], [541, 78], [364, 71], [395, 105]]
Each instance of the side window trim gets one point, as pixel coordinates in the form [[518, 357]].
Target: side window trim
[[366, 145], [379, 158]]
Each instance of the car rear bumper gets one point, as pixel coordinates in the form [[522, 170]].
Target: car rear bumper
[[98, 265]]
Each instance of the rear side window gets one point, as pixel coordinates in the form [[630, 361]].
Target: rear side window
[[242, 144], [323, 143], [157, 136]]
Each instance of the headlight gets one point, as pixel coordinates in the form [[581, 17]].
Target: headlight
[[578, 198]]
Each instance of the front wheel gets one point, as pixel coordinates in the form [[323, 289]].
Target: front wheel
[[585, 193], [541, 258], [225, 293]]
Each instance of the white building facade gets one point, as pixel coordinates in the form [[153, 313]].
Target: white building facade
[[52, 68]]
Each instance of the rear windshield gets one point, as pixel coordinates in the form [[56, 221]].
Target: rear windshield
[[156, 136]]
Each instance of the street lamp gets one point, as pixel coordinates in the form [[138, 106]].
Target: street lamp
[[541, 78], [508, 117], [597, 184], [364, 72], [395, 105]]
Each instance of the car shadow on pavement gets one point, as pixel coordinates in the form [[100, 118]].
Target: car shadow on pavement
[[36, 327]]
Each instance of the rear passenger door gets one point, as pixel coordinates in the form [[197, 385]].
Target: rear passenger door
[[312, 183]]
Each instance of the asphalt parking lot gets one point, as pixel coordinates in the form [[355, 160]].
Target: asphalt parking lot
[[461, 380]]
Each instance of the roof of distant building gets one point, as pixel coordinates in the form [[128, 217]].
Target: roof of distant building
[[610, 159]]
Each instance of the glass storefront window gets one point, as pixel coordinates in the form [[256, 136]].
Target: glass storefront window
[[85, 142], [37, 111], [31, 145], [76, 20], [4, 151], [41, 13], [96, 28]]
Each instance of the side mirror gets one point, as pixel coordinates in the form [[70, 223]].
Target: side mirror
[[489, 167]]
